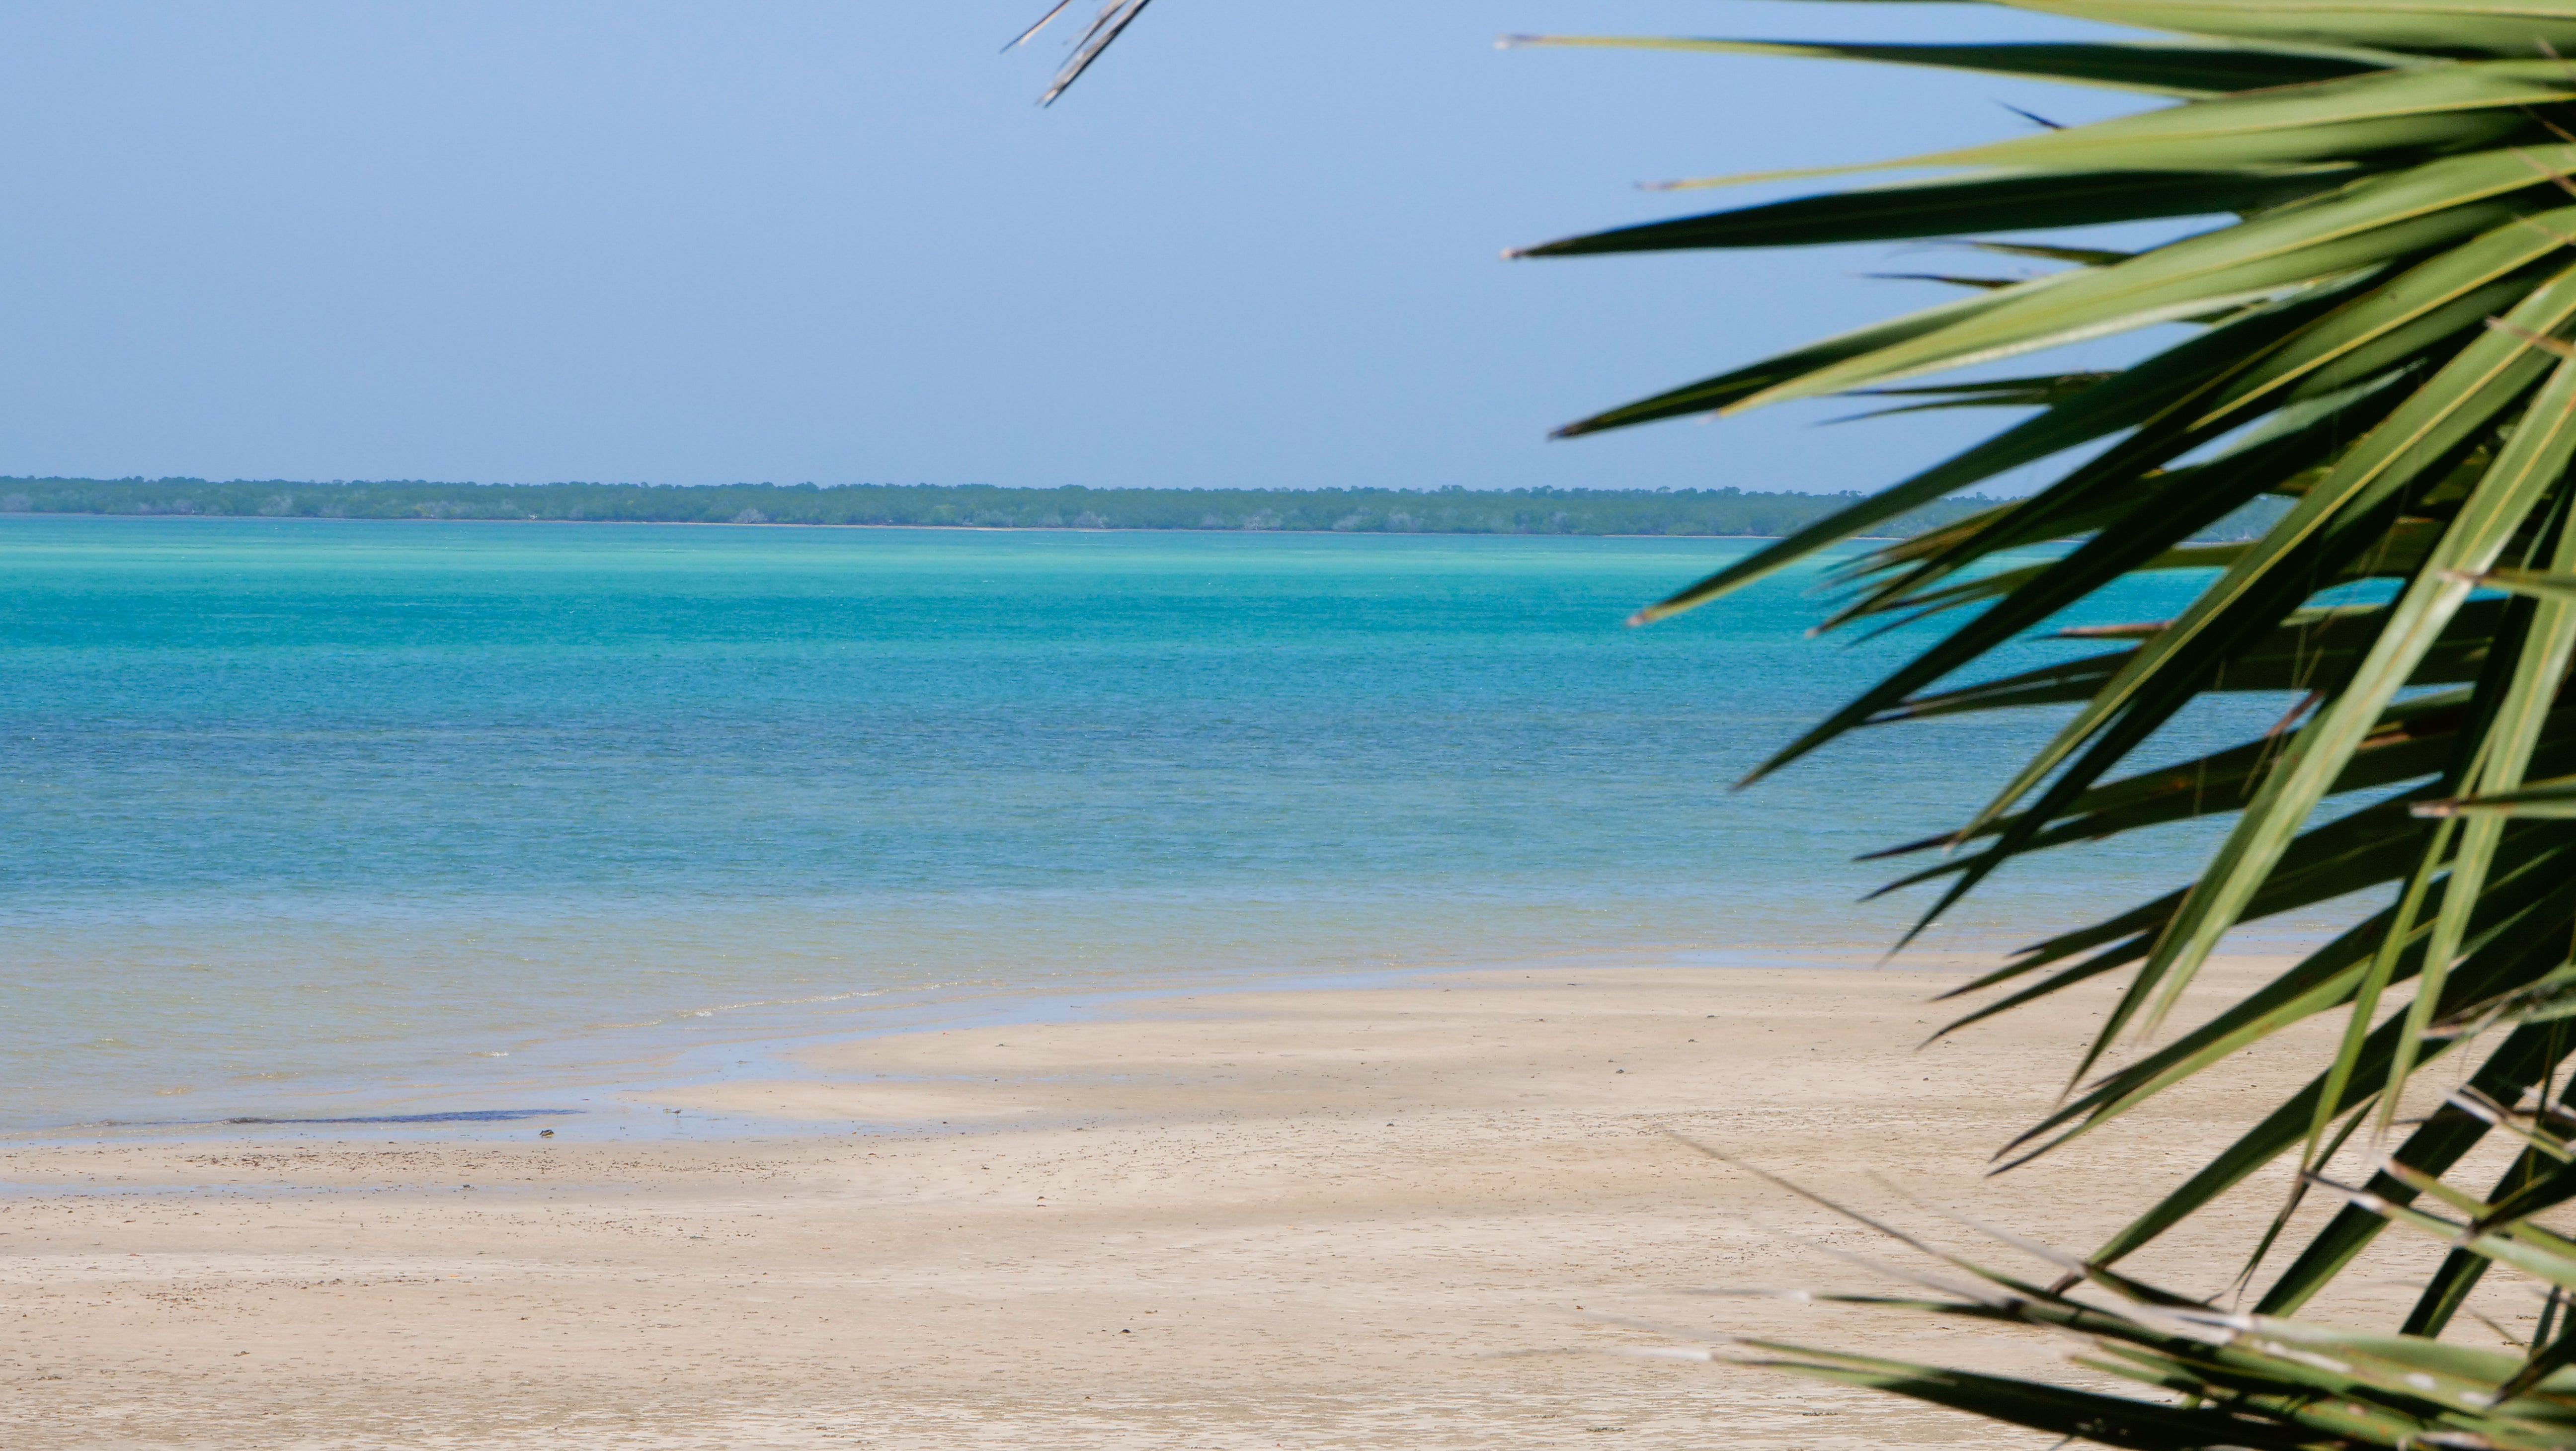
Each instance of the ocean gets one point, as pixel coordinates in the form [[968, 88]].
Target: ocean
[[341, 818]]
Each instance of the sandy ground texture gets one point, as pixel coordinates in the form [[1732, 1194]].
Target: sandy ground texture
[[1325, 1218]]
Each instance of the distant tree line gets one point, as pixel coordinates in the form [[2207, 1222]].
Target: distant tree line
[[1397, 511]]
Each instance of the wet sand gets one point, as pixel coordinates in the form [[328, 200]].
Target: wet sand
[[1322, 1218]]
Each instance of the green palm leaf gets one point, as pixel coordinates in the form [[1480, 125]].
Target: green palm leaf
[[2413, 110], [2259, 1380], [1954, 206], [2384, 346], [2402, 27], [2157, 68], [2553, 798], [2372, 249]]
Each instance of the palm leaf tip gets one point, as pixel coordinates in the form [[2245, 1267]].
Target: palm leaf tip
[[1105, 28], [1043, 21], [2553, 799]]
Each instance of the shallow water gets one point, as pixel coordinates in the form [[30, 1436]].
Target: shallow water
[[306, 814]]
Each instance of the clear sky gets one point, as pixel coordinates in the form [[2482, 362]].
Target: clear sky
[[692, 243]]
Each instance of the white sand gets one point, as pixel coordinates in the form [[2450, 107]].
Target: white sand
[[1320, 1218]]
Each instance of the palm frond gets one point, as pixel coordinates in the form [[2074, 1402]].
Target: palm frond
[[2259, 1380], [2386, 315], [2374, 250]]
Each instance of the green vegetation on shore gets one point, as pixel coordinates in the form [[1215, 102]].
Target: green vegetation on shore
[[1397, 511]]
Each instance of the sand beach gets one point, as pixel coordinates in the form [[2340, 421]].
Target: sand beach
[[1427, 1215]]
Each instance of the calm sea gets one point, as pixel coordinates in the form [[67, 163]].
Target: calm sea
[[309, 816]]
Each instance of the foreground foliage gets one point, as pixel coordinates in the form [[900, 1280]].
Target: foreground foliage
[[2379, 340], [2381, 330], [2380, 315], [2250, 1380]]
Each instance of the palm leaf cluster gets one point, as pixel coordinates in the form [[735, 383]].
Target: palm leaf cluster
[[2253, 1380], [2379, 274], [2376, 268]]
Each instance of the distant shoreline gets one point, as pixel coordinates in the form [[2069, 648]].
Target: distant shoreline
[[941, 528], [1725, 513]]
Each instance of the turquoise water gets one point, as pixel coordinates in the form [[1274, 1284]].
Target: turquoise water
[[313, 813]]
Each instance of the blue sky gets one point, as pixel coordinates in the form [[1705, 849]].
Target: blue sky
[[692, 243]]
